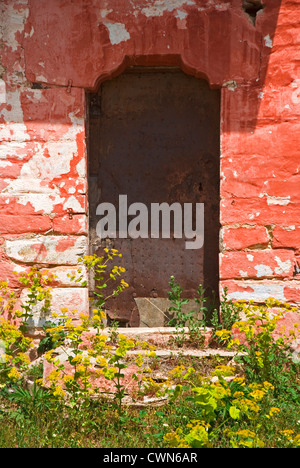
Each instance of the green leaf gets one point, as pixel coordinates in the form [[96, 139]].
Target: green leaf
[[234, 412]]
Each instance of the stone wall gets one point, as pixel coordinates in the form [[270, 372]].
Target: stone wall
[[52, 51], [42, 168]]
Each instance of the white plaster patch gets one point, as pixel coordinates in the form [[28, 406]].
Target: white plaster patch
[[268, 41], [5, 163], [64, 273], [46, 249], [106, 12], [243, 273], [278, 200], [71, 298], [117, 32], [263, 270], [231, 85], [19, 269], [57, 164], [32, 186], [11, 149], [81, 168], [41, 202], [31, 190], [250, 257], [30, 33], [13, 23], [2, 92], [283, 267], [13, 127], [41, 78], [223, 6], [73, 203], [259, 292], [159, 7], [181, 14]]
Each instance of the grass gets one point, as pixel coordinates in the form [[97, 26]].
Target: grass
[[207, 401], [35, 420]]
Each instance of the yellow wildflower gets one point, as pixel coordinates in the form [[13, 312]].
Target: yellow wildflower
[[13, 374], [59, 392], [54, 376], [287, 433], [101, 361], [68, 379], [273, 411], [174, 440]]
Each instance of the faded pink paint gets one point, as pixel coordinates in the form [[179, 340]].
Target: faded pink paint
[[64, 244]]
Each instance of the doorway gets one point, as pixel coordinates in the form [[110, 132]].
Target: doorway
[[154, 137]]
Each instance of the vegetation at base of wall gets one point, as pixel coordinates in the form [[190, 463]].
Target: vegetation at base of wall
[[251, 400], [199, 413], [194, 320]]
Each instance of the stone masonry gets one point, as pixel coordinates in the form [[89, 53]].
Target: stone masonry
[[52, 51]]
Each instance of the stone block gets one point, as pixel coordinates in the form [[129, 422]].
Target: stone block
[[15, 224], [73, 299], [52, 250], [286, 237], [63, 275], [240, 238], [257, 264], [154, 311], [74, 224]]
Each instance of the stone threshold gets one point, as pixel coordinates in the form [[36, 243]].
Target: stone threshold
[[159, 336]]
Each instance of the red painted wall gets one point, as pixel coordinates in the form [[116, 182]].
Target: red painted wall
[[65, 48]]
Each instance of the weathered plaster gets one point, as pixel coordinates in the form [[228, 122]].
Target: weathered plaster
[[159, 7], [117, 32], [51, 52]]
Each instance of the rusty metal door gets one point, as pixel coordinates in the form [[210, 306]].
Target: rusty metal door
[[154, 135]]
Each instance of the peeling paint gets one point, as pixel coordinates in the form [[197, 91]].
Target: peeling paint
[[117, 32], [231, 85], [34, 184], [243, 273], [181, 14], [263, 270], [44, 249], [268, 41], [13, 24], [278, 200], [73, 203], [2, 92], [71, 298], [283, 267], [14, 127], [159, 7], [5, 163], [223, 6], [42, 153], [258, 292]]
